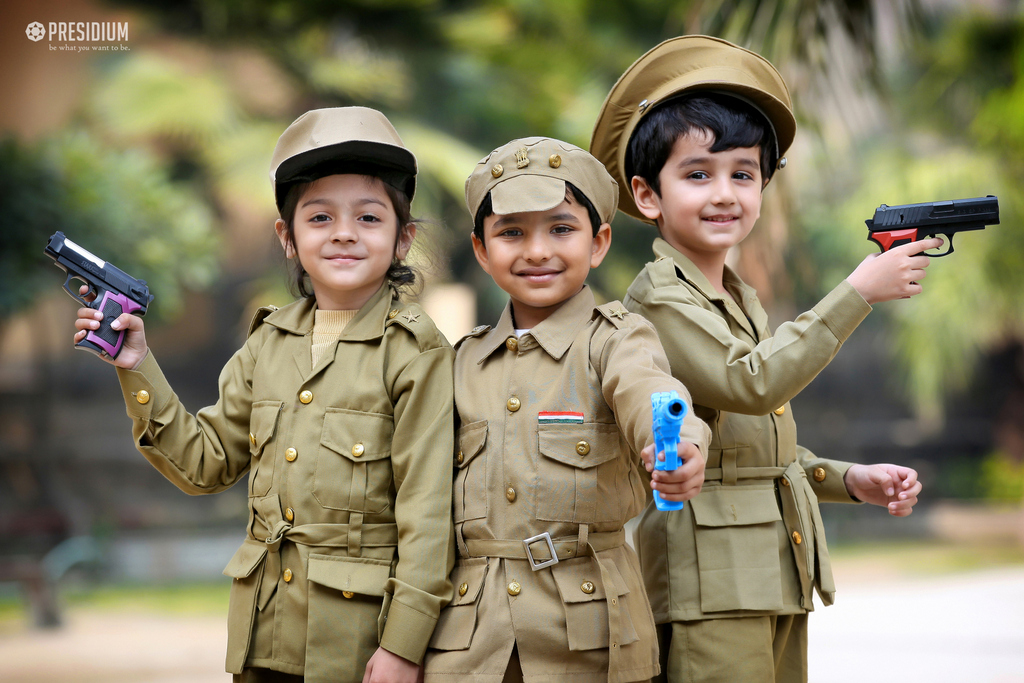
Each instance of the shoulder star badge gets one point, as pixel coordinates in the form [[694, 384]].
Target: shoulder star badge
[[618, 313], [410, 317]]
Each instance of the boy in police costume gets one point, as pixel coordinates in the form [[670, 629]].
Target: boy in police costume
[[693, 132], [553, 408]]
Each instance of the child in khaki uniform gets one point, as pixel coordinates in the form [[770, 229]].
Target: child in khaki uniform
[[339, 406], [693, 131], [553, 408]]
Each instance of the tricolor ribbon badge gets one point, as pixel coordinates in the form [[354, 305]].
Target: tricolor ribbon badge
[[546, 417]]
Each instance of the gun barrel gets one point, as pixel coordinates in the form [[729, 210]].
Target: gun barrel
[[964, 214]]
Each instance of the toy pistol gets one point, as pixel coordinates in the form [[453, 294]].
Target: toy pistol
[[669, 411], [115, 292], [896, 225]]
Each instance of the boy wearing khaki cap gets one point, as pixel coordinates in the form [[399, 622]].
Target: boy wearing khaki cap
[[693, 131], [553, 408]]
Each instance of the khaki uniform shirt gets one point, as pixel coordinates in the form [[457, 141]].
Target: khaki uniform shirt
[[550, 426], [752, 541], [350, 462]]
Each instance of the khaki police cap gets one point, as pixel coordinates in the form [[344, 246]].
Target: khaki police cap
[[681, 65], [342, 140], [530, 175]]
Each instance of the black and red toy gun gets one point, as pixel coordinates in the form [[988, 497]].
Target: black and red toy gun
[[896, 225]]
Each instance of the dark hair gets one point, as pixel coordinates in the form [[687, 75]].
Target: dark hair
[[730, 121], [486, 209], [399, 275]]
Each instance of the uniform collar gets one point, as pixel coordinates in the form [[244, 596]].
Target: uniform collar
[[554, 334], [298, 317], [746, 294]]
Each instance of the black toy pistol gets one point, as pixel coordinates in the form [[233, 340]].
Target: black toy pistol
[[896, 225], [114, 291]]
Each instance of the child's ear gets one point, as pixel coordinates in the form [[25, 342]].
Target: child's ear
[[404, 243], [646, 199], [282, 234], [480, 251], [602, 242]]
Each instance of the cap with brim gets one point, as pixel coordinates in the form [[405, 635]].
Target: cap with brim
[[530, 175], [682, 65], [342, 140]]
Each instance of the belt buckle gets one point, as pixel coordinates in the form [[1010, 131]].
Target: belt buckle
[[534, 565]]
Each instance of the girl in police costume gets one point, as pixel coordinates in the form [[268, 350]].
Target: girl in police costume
[[339, 405]]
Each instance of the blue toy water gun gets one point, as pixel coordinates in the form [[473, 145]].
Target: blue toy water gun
[[669, 411]]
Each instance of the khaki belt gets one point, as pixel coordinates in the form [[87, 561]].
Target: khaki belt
[[565, 548], [717, 473]]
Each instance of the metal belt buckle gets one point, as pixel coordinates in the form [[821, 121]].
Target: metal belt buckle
[[534, 564]]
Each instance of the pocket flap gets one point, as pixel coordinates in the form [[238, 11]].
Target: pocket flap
[[736, 505], [469, 573], [579, 575], [245, 559], [358, 436], [470, 441], [579, 445], [362, 575], [263, 423]]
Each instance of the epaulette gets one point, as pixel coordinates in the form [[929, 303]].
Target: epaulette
[[261, 315], [615, 312], [477, 331], [412, 318], [663, 272]]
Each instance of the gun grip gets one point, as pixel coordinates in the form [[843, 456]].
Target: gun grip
[[107, 340]]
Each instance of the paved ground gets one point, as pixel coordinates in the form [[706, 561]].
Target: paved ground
[[960, 627]]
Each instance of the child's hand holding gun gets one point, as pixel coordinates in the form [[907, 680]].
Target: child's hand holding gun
[[672, 486], [134, 348]]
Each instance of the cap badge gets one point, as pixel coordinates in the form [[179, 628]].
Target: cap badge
[[522, 161], [554, 161], [497, 170], [643, 106]]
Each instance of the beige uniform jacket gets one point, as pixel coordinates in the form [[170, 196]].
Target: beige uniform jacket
[[752, 541], [350, 462], [550, 426]]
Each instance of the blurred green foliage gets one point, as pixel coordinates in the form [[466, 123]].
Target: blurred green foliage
[[1002, 478]]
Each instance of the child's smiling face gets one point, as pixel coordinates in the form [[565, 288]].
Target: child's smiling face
[[541, 258], [346, 236], [709, 201]]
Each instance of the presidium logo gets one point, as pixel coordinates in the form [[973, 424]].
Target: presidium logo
[[66, 32]]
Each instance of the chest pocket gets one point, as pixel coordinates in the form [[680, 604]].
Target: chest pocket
[[469, 493], [353, 464], [262, 445], [581, 477]]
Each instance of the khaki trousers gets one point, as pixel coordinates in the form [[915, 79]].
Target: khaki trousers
[[770, 649], [250, 675]]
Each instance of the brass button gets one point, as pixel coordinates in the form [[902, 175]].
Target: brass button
[[514, 588], [142, 397], [306, 396], [785, 482], [458, 458], [780, 410], [392, 313], [291, 454], [819, 474], [554, 161], [510, 493], [289, 514], [513, 404], [497, 170], [512, 343], [582, 447], [797, 538], [358, 450], [287, 575], [463, 588], [587, 587], [252, 439], [348, 595]]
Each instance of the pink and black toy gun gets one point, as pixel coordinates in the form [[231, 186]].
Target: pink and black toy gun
[[896, 225], [115, 292]]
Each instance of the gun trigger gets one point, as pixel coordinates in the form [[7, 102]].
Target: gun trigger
[[75, 295]]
